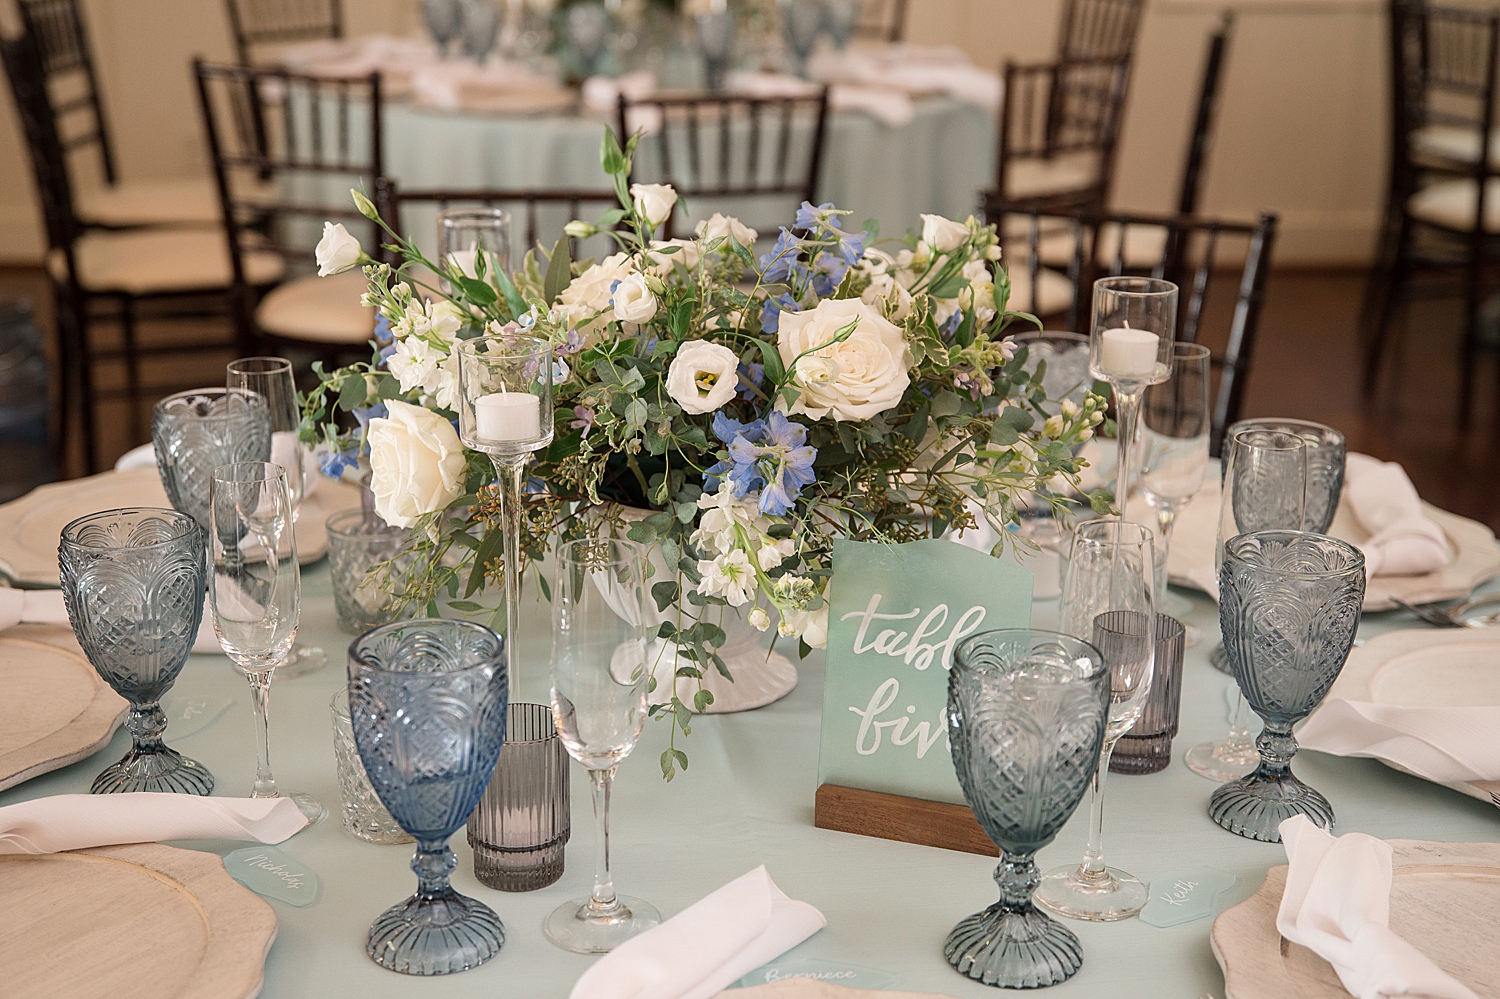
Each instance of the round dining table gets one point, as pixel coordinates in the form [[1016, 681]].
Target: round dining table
[[746, 799]]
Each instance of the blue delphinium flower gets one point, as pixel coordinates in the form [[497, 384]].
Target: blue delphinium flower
[[777, 264], [813, 218], [771, 455], [751, 375], [770, 313]]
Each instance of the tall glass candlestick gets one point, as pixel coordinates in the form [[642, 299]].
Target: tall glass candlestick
[[1135, 320]]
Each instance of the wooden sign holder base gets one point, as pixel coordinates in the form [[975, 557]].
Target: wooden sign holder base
[[908, 820]]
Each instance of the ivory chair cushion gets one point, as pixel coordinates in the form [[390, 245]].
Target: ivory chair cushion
[[157, 261], [1451, 204], [1449, 142], [152, 202], [323, 310], [1030, 178]]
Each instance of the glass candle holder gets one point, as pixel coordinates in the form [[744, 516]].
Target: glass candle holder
[[1147, 747], [363, 815], [524, 819]]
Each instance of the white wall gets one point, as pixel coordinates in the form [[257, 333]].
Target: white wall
[[1301, 128]]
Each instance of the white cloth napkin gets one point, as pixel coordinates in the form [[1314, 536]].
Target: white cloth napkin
[[137, 457], [1442, 744], [707, 946], [602, 96], [78, 821], [145, 456], [811, 988], [887, 104], [32, 607], [1403, 541], [912, 70], [1338, 905]]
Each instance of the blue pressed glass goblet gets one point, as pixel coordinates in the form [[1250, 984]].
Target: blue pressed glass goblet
[[1027, 712], [1289, 606], [133, 581], [428, 702]]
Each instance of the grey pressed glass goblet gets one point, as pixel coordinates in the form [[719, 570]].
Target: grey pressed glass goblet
[[132, 581], [1027, 711], [428, 699], [196, 431], [1289, 605], [1326, 456]]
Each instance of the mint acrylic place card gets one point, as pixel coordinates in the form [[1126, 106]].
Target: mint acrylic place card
[[852, 976], [267, 871], [1185, 896]]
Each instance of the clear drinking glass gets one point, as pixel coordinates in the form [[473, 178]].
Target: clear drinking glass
[[1108, 594], [1027, 712], [480, 28], [525, 817], [132, 581], [270, 380], [1175, 421], [843, 18], [363, 815], [1289, 605], [363, 553], [1264, 488], [196, 431], [428, 703], [442, 18], [255, 590], [715, 29], [599, 697], [801, 23], [1147, 747], [1326, 454], [475, 240]]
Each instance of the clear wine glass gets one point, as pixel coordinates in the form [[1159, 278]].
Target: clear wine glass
[[443, 18], [1108, 600], [599, 700], [1264, 488], [1175, 422], [476, 240], [270, 379], [255, 591], [801, 23]]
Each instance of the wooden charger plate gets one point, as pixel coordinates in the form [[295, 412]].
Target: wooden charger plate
[[56, 710], [31, 526], [1445, 901], [143, 921]]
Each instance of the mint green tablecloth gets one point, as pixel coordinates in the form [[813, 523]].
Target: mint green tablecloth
[[748, 800]]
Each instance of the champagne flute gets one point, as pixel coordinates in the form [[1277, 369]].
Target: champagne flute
[[270, 379], [1175, 422], [1108, 600], [599, 700], [1265, 489], [255, 591]]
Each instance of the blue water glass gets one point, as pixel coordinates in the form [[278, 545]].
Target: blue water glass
[[1027, 711], [133, 583], [1289, 605], [427, 700]]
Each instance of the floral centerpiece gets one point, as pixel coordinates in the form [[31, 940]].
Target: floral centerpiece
[[735, 414]]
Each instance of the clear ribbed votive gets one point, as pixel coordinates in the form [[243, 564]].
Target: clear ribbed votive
[[1147, 747], [523, 821], [360, 809]]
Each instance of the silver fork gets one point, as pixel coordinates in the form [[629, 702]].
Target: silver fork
[[1458, 616]]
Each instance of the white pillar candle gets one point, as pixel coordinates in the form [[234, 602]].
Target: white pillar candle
[[1128, 353], [508, 416]]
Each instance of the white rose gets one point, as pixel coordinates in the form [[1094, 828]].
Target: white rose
[[853, 380], [943, 235], [337, 251], [416, 463], [703, 376], [589, 293], [664, 263], [633, 301], [653, 202], [721, 226]]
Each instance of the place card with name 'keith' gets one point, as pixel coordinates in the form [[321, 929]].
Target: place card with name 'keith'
[[897, 614]]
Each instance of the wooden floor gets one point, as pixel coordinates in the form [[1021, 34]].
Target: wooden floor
[[1306, 364]]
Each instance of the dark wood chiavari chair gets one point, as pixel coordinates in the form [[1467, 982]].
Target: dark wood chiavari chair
[[1193, 253], [713, 147], [102, 197], [276, 22], [310, 139], [1443, 198], [1099, 29], [882, 20]]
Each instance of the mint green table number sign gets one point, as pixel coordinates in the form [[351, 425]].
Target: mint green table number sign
[[896, 615]]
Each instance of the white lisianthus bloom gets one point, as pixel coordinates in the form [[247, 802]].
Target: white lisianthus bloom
[[665, 263], [416, 463], [759, 619], [943, 235], [721, 226], [632, 300], [728, 576], [852, 380], [653, 202], [703, 376], [589, 293], [337, 251], [810, 626]]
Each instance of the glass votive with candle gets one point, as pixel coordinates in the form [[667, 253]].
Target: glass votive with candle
[[467, 235], [505, 394], [1135, 321]]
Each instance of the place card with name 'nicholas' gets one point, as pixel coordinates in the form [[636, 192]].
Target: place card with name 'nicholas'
[[267, 871], [897, 614]]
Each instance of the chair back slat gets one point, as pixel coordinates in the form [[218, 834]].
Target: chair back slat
[[24, 68], [881, 20], [392, 201], [276, 22], [1099, 29], [58, 30], [1204, 117]]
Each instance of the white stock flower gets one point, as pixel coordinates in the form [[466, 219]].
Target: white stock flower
[[884, 292], [653, 202], [1053, 427], [665, 263], [943, 235], [703, 376], [852, 380], [632, 300], [1069, 408], [416, 463], [414, 363], [774, 553], [722, 513], [337, 251], [589, 293], [728, 576], [810, 626], [721, 226], [759, 619]]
